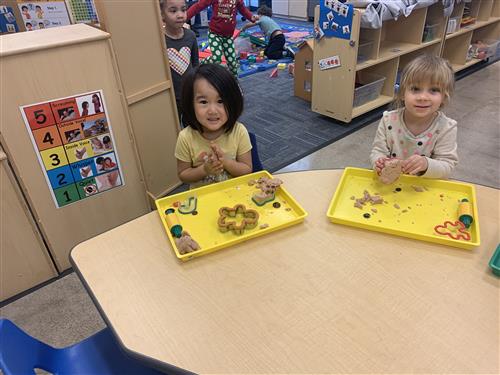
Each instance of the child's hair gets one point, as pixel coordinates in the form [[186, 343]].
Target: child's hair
[[264, 10], [85, 104], [427, 68], [24, 7], [225, 84]]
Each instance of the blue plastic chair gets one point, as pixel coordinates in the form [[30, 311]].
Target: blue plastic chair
[[99, 354], [256, 163]]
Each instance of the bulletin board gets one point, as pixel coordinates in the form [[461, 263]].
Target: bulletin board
[[8, 23], [74, 143]]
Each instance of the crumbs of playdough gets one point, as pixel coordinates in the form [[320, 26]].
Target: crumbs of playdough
[[251, 182], [404, 211], [417, 188], [396, 206], [288, 209], [366, 216], [391, 171], [367, 197], [276, 205], [264, 226], [353, 197], [374, 210]]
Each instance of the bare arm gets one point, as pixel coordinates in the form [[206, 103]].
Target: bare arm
[[242, 165], [248, 25]]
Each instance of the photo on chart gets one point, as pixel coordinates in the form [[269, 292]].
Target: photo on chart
[[108, 180], [95, 127], [106, 162], [89, 104]]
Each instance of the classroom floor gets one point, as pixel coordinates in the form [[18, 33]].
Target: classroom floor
[[62, 313]]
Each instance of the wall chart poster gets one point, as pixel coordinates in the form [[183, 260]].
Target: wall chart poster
[[74, 143], [43, 14]]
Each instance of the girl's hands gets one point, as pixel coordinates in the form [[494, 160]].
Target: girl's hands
[[218, 153], [213, 167], [255, 18], [214, 164], [415, 164], [380, 164]]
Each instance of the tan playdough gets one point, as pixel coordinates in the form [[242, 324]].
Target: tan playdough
[[391, 171]]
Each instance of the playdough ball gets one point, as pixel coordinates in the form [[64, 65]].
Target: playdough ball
[[391, 171]]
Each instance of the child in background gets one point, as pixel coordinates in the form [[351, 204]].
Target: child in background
[[417, 132], [221, 29], [215, 146], [182, 47], [275, 48]]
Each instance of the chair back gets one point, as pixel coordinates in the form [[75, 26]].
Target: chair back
[[97, 354], [256, 163]]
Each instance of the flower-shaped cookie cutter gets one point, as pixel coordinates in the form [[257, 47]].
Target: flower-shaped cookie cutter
[[227, 219], [455, 230]]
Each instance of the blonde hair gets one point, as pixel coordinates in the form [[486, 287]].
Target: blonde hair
[[427, 68]]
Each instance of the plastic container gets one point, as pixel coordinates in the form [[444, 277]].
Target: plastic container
[[364, 50], [453, 25], [368, 88], [202, 226], [430, 32], [495, 261], [405, 212]]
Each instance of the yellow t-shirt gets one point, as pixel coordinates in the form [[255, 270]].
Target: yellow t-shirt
[[192, 148]]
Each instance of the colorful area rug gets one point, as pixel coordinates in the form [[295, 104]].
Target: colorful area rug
[[294, 35]]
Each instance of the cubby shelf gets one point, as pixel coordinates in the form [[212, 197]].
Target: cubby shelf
[[384, 52]]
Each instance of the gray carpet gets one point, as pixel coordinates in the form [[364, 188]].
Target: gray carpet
[[284, 125]]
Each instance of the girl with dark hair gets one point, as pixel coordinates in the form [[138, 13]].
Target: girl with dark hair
[[215, 146]]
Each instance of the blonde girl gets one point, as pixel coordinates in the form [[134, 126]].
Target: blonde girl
[[418, 132]]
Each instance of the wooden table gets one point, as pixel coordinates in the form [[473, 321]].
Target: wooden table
[[313, 298]]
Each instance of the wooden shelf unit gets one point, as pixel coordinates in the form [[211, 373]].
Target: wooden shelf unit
[[485, 27], [387, 50]]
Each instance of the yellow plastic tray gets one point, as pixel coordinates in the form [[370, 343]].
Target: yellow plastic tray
[[203, 226], [424, 210]]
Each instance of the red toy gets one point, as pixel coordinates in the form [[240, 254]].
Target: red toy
[[455, 231], [274, 73]]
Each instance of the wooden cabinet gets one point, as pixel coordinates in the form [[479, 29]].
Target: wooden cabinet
[[141, 56], [483, 26], [46, 65], [371, 61], [290, 8], [24, 259]]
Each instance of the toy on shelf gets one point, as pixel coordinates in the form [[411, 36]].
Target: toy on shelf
[[227, 216], [267, 192], [185, 244]]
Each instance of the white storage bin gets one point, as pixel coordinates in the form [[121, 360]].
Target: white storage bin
[[453, 25], [368, 88]]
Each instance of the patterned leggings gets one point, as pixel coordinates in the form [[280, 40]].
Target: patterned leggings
[[221, 45]]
